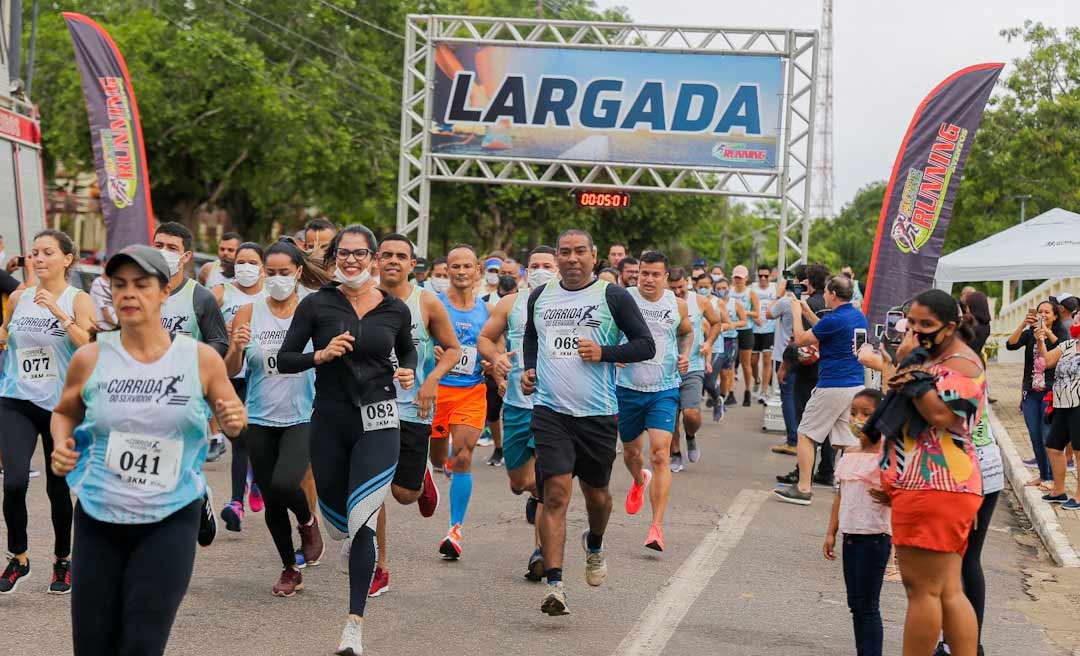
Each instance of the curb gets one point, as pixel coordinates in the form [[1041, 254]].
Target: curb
[[1038, 512]]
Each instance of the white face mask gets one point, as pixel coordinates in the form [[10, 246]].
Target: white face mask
[[352, 282], [172, 259], [540, 277], [491, 277], [715, 277], [440, 285], [280, 287], [246, 274]]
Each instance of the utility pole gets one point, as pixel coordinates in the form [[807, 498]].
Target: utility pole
[[14, 37], [1023, 198], [821, 205]]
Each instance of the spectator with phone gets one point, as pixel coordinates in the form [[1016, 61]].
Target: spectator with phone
[[1037, 380], [840, 378]]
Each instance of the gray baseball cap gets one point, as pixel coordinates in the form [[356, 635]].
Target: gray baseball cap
[[145, 257]]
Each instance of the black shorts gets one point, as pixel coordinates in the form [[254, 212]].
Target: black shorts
[[412, 459], [580, 446], [1064, 429], [494, 401], [763, 342], [746, 340]]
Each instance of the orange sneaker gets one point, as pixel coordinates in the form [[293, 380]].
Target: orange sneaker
[[450, 547], [655, 540], [635, 496]]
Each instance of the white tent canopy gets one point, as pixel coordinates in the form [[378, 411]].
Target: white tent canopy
[[1047, 246]]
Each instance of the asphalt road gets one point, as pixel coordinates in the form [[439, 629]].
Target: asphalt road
[[743, 574]]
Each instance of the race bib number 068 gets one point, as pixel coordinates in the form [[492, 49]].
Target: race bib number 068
[[563, 342], [380, 415]]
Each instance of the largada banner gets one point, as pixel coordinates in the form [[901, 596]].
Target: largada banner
[[115, 133], [921, 191], [629, 107]]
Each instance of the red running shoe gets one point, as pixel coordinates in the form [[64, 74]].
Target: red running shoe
[[655, 541], [635, 496], [429, 495], [380, 583]]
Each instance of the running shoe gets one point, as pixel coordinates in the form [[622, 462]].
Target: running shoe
[[792, 494], [1058, 498], [762, 400], [450, 547], [635, 496], [34, 473], [496, 459], [710, 402], [785, 449], [1031, 464], [941, 650], [233, 515], [718, 412], [730, 400], [535, 572], [1071, 504], [255, 499], [790, 478], [823, 481], [13, 574], [655, 541], [485, 438], [207, 523], [380, 582], [676, 463], [289, 582], [692, 452], [300, 562], [311, 542], [746, 399], [428, 502], [757, 387], [61, 577], [595, 563], [351, 643], [554, 603], [216, 449], [530, 509]]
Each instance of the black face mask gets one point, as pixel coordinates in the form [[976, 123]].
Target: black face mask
[[929, 341], [228, 268]]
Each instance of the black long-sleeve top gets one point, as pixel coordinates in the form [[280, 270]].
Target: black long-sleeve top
[[639, 344], [364, 375]]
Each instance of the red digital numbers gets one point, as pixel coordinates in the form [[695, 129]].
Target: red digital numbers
[[602, 199]]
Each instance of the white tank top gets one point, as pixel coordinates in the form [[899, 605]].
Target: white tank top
[[39, 351]]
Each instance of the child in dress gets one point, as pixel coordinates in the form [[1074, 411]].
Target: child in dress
[[866, 527]]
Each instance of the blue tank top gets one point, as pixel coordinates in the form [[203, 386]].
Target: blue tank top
[[274, 398], [39, 351], [697, 320], [467, 325], [733, 317], [744, 298], [425, 362], [143, 441]]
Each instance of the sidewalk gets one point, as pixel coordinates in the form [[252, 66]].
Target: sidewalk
[[1059, 529]]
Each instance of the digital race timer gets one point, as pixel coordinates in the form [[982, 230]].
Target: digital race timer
[[615, 199]]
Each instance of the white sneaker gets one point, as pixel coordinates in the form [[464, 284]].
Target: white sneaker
[[485, 441], [351, 643], [595, 563]]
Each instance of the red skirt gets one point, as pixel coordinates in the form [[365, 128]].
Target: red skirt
[[933, 519]]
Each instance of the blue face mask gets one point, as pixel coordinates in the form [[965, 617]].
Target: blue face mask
[[722, 293], [704, 291]]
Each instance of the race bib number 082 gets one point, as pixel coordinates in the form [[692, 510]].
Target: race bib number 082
[[380, 415]]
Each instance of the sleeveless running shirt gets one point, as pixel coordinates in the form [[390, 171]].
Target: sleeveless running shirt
[[143, 440], [697, 320], [515, 334], [765, 297], [733, 317], [564, 382], [216, 277], [39, 351], [467, 325], [274, 398], [660, 372], [178, 312], [744, 298], [233, 299], [425, 362]]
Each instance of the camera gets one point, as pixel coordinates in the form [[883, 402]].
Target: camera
[[789, 281]]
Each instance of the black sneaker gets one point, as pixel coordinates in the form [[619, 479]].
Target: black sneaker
[[1061, 498], [207, 523], [940, 651], [790, 478], [530, 510], [535, 573], [793, 495], [61, 577], [746, 399], [823, 481], [13, 573], [730, 400], [710, 402], [496, 459]]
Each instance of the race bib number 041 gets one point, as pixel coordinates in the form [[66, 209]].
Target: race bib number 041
[[37, 363], [380, 415], [563, 342], [145, 462]]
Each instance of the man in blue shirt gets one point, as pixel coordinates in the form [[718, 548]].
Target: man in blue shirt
[[840, 377]]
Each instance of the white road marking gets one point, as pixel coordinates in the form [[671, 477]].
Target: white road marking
[[660, 620]]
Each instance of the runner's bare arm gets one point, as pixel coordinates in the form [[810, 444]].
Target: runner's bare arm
[[443, 332], [240, 338], [219, 393], [490, 343]]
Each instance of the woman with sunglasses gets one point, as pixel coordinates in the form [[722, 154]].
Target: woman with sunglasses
[[354, 328]]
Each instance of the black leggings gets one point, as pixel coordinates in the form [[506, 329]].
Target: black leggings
[[129, 581], [971, 570], [22, 422], [353, 470], [279, 457], [238, 470]]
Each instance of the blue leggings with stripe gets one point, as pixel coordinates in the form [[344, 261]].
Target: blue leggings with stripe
[[353, 471]]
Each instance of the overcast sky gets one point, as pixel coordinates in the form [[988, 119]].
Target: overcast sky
[[887, 56]]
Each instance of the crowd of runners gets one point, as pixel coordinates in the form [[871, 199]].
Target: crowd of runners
[[344, 369]]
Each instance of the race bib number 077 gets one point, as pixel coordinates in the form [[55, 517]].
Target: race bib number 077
[[37, 363]]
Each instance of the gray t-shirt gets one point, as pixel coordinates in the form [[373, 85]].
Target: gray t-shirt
[[784, 327]]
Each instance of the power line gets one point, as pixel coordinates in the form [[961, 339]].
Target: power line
[[315, 44], [360, 19]]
